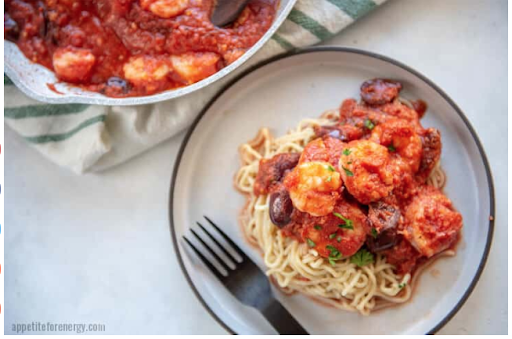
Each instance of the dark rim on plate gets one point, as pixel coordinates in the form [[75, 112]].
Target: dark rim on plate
[[183, 146]]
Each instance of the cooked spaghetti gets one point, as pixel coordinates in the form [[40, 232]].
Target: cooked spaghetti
[[326, 226]]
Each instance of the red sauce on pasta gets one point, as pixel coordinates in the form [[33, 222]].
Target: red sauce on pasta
[[362, 185]]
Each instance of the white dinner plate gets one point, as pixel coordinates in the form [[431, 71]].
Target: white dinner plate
[[278, 94]]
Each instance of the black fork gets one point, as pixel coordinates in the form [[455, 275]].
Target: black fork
[[246, 281]]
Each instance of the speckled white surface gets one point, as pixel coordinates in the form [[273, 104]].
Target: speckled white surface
[[96, 249]]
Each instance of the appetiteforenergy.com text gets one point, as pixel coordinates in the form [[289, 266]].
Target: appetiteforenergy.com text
[[37, 326]]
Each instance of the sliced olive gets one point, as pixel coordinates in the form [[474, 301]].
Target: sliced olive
[[43, 29], [384, 217], [118, 84], [331, 131], [384, 240], [380, 91], [11, 29], [280, 208]]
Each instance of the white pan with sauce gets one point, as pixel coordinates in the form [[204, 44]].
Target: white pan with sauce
[[41, 84]]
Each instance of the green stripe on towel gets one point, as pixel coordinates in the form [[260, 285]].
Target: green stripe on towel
[[354, 8], [8, 81], [34, 111], [309, 24], [42, 139], [288, 46]]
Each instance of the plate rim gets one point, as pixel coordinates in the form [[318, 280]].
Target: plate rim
[[370, 54]]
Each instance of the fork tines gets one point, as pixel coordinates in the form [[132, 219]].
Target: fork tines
[[222, 263]]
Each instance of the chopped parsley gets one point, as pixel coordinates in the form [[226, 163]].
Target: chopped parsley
[[347, 171], [311, 243], [338, 239], [329, 179], [391, 148], [374, 233], [318, 227], [349, 224], [348, 227], [362, 258], [330, 168], [333, 255], [336, 214], [332, 236], [402, 285], [331, 248], [369, 124], [347, 151]]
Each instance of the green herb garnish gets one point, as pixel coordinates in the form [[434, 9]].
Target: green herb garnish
[[311, 243], [348, 227], [369, 124], [338, 239], [391, 148], [332, 236], [362, 258], [318, 227], [349, 224], [374, 233], [402, 285], [333, 255], [330, 168], [329, 179], [347, 151], [331, 248], [347, 171]]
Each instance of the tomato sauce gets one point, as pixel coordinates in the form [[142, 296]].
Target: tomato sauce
[[383, 201], [132, 47]]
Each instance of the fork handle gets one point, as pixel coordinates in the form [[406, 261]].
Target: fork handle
[[281, 319]]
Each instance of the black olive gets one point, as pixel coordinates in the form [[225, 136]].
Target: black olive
[[380, 91], [11, 29], [331, 131], [384, 240], [384, 217], [280, 208], [119, 84]]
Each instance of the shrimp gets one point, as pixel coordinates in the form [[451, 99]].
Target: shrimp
[[326, 149], [366, 171], [192, 67], [396, 109], [147, 71], [401, 139], [165, 8], [232, 55], [431, 223], [73, 64], [314, 187], [344, 230]]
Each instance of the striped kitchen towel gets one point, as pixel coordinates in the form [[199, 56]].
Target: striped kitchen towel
[[87, 138]]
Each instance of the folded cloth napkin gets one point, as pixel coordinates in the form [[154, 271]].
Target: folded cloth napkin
[[88, 138]]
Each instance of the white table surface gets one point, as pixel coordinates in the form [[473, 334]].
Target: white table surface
[[97, 249]]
